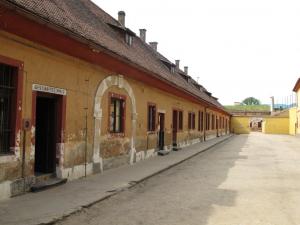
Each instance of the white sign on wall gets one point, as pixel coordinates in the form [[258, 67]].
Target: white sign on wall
[[256, 120], [48, 89]]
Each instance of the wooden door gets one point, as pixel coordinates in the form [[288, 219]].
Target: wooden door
[[161, 131], [174, 127]]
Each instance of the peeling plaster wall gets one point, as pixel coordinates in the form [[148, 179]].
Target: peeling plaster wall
[[111, 147], [87, 89], [47, 67], [5, 190]]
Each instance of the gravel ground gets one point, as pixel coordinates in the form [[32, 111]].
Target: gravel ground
[[250, 180]]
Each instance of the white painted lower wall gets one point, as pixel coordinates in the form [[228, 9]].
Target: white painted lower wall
[[142, 155], [79, 170], [189, 142], [74, 172], [211, 136], [5, 190]]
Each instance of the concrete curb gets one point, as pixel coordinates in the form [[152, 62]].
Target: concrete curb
[[134, 183]]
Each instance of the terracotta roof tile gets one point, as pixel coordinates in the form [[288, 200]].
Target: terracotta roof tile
[[86, 19]]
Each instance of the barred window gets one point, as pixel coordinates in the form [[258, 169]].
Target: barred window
[[6, 98], [151, 117], [117, 115], [191, 121], [207, 121], [180, 120], [200, 121]]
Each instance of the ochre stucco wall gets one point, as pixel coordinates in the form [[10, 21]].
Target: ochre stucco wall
[[275, 125], [81, 80], [240, 125], [47, 67], [293, 121]]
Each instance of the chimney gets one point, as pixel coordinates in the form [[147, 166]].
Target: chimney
[[143, 34], [154, 45], [186, 70], [121, 18], [272, 105], [177, 63]]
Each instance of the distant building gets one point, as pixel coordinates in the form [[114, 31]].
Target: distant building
[[296, 89], [282, 118], [237, 103], [247, 119]]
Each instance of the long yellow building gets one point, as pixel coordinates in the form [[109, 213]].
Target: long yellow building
[[281, 122], [81, 93]]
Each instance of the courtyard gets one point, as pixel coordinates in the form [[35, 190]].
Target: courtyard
[[249, 180]]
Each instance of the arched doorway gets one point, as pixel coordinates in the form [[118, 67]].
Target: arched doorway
[[256, 124], [119, 81]]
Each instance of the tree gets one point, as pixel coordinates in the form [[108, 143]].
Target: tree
[[251, 101]]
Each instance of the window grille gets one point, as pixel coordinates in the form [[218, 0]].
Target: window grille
[[180, 120], [191, 121], [151, 117], [6, 96], [200, 121], [117, 109]]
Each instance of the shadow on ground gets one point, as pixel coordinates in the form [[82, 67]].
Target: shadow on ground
[[185, 194]]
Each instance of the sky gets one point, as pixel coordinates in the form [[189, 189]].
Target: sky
[[234, 48]]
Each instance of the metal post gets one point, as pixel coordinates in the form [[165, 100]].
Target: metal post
[[23, 159], [205, 124], [86, 128], [24, 136], [86, 140]]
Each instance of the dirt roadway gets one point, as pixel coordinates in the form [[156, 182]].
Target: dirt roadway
[[250, 180]]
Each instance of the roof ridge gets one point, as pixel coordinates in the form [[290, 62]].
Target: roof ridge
[[107, 14], [87, 20]]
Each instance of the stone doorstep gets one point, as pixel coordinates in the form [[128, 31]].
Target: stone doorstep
[[163, 152], [48, 183], [176, 148]]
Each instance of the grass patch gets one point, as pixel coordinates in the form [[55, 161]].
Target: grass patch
[[247, 107]]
